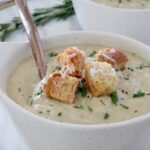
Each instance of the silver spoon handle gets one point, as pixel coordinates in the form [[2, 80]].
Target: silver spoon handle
[[33, 36], [6, 4]]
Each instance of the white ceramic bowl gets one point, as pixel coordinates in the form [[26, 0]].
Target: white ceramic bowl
[[134, 23], [43, 134]]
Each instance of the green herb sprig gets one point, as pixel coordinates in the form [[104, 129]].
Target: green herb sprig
[[138, 94], [58, 68], [52, 54], [90, 109], [93, 53], [114, 98], [40, 92], [106, 116], [78, 107], [119, 1], [129, 68], [59, 114], [143, 66], [40, 16], [83, 90], [125, 107], [102, 102]]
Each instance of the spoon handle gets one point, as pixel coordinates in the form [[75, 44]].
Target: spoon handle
[[33, 36], [6, 4]]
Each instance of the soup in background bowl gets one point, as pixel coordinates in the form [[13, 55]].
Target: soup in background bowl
[[126, 21], [41, 133], [135, 4]]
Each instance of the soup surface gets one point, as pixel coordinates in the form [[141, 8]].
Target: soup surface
[[136, 4], [133, 92]]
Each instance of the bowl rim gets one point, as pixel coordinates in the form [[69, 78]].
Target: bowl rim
[[115, 8], [135, 120]]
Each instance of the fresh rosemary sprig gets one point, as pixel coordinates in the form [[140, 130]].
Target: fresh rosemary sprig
[[40, 16]]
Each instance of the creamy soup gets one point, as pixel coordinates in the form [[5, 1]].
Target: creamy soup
[[137, 4], [133, 92]]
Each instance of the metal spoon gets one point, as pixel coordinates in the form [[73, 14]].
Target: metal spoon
[[6, 4], [33, 36]]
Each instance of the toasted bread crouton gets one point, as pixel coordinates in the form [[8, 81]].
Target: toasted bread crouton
[[62, 88], [72, 61], [116, 58], [101, 78]]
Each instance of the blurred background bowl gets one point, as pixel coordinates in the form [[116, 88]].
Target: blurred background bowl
[[134, 23]]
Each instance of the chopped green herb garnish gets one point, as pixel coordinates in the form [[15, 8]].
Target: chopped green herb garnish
[[40, 92], [90, 109], [129, 68], [114, 98], [59, 114], [119, 1], [93, 53], [144, 66], [126, 78], [106, 115], [19, 89], [83, 90], [78, 107], [138, 94], [52, 54], [135, 111], [102, 102], [31, 102], [126, 107], [48, 110], [58, 68]]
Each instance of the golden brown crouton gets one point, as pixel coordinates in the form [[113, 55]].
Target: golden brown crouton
[[116, 58], [62, 88], [72, 61], [101, 78]]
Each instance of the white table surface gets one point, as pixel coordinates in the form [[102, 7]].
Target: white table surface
[[9, 137]]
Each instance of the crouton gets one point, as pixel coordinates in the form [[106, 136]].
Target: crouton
[[101, 78], [116, 58], [72, 61], [62, 88]]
